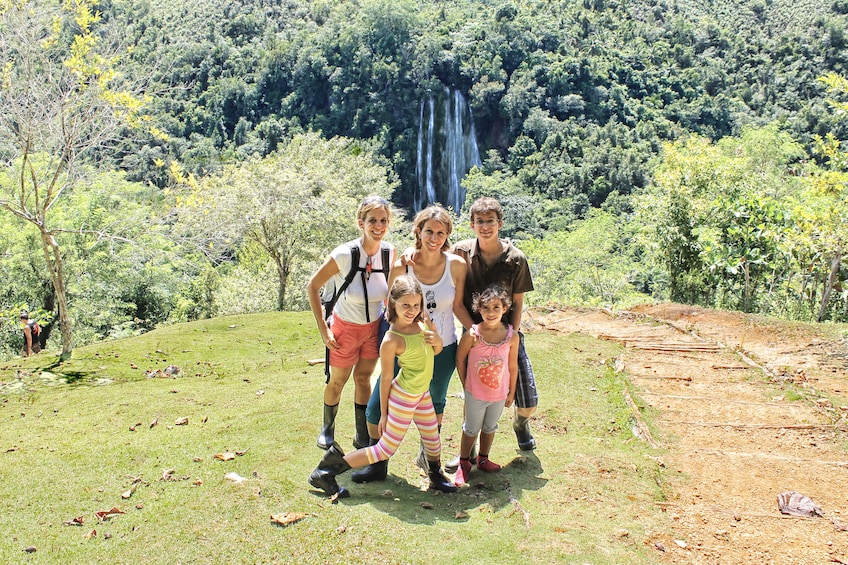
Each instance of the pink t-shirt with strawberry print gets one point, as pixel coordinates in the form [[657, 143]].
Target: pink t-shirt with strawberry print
[[487, 378]]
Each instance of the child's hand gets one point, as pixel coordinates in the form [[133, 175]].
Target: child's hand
[[381, 425], [509, 399], [432, 338]]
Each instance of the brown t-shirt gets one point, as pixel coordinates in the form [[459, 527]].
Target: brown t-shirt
[[510, 271]]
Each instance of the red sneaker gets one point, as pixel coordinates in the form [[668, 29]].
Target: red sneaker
[[487, 465], [462, 473]]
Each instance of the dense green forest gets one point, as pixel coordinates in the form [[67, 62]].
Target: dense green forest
[[186, 159]]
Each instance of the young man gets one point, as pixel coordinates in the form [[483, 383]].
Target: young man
[[491, 260]]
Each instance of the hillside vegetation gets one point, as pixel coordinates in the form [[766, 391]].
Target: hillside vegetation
[[688, 148]]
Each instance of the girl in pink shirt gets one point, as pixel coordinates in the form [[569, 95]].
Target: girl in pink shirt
[[487, 363]]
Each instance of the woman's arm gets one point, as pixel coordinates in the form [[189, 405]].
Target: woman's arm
[[313, 288]]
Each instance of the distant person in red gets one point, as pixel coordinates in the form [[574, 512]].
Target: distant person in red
[[31, 331]]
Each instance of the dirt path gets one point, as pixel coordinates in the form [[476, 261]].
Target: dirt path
[[741, 411]]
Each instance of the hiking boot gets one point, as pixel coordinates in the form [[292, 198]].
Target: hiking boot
[[487, 465], [324, 475], [327, 436], [462, 474], [438, 480]]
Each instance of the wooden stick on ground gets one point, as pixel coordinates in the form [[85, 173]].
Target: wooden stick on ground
[[643, 427]]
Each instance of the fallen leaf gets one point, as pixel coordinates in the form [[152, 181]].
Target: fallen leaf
[[154, 422], [460, 515], [133, 366], [680, 543], [240, 453], [198, 483], [31, 549], [129, 492], [260, 392], [134, 426], [387, 494], [104, 515], [426, 505], [203, 420], [232, 326], [287, 518], [139, 506], [197, 459], [78, 521], [341, 529], [226, 456], [181, 421], [167, 475], [91, 534], [235, 477]]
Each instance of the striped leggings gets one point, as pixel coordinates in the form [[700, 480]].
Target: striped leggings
[[405, 408]]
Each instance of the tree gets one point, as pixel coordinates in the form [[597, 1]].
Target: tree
[[61, 100], [829, 186], [295, 204]]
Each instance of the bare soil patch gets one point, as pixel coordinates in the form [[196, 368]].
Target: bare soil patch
[[743, 408]]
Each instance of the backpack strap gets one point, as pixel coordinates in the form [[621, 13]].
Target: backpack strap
[[354, 266]]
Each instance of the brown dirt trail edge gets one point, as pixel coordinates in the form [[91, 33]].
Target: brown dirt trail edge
[[716, 383]]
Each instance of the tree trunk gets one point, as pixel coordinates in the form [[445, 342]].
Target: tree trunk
[[53, 257], [282, 279], [835, 263]]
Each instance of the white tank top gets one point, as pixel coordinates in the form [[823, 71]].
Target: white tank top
[[438, 299]]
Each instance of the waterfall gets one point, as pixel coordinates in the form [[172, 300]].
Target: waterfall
[[446, 151]]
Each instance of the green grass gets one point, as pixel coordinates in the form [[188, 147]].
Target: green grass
[[66, 449]]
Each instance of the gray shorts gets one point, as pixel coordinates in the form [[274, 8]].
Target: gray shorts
[[481, 415], [526, 395]]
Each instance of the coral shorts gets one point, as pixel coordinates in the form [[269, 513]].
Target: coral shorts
[[356, 341]]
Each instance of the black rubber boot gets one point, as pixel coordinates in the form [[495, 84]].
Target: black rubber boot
[[324, 475], [361, 438], [328, 431], [438, 480], [521, 427], [452, 465], [374, 472]]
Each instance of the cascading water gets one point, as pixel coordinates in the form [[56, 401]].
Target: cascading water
[[447, 149]]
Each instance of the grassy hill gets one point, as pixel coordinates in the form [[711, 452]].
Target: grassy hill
[[99, 433]]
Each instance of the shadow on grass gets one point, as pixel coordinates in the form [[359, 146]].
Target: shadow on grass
[[409, 503]]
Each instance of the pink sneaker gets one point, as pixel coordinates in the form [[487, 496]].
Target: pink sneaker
[[462, 473], [487, 465]]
